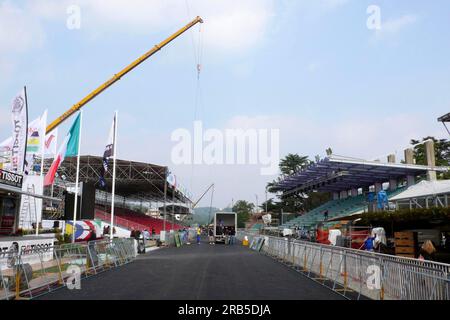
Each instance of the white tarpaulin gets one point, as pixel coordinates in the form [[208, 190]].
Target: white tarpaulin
[[332, 236], [424, 189]]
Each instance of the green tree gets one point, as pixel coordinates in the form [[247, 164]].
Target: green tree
[[293, 163], [441, 149], [243, 210]]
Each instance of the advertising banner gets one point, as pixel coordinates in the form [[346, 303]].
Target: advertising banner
[[19, 118], [29, 248]]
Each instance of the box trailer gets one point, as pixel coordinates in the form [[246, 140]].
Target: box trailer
[[224, 222]]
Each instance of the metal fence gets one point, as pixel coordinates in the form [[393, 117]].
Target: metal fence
[[358, 274], [33, 272]]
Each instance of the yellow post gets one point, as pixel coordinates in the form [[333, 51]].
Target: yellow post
[[304, 261], [17, 282], [321, 267]]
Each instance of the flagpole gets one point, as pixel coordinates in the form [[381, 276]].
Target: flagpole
[[111, 231], [42, 166], [77, 179]]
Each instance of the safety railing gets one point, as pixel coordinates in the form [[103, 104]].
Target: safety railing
[[33, 272], [358, 274]]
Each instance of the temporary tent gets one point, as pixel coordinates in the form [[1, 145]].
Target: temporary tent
[[424, 189]]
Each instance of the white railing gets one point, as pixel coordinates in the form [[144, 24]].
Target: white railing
[[360, 274]]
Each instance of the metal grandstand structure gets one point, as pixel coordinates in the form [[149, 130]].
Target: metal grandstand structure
[[135, 181], [444, 119], [335, 174]]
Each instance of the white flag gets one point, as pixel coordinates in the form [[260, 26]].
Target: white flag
[[19, 118], [35, 144], [51, 141], [5, 154]]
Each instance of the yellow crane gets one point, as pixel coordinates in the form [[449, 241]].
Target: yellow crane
[[119, 75]]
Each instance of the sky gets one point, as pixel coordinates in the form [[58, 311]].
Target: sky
[[312, 69]]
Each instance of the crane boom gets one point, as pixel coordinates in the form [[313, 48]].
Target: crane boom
[[201, 197], [119, 75]]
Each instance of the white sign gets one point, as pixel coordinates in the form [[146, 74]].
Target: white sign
[[31, 250]]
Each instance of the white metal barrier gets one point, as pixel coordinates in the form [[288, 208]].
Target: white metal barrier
[[34, 272], [360, 274]]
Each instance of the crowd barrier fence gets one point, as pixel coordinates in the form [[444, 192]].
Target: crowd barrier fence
[[358, 274], [28, 273]]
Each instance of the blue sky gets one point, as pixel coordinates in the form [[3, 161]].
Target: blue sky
[[310, 68]]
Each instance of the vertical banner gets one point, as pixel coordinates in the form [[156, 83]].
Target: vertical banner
[[19, 114], [31, 207]]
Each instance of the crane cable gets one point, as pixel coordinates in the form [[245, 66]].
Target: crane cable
[[210, 205], [198, 57]]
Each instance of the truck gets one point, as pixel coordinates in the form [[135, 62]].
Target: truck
[[224, 221]]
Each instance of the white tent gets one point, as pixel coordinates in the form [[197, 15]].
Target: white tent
[[424, 189]]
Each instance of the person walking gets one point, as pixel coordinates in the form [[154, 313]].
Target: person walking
[[232, 236], [427, 251], [211, 236], [199, 233], [325, 215]]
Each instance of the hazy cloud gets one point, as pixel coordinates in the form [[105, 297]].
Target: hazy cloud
[[392, 27]]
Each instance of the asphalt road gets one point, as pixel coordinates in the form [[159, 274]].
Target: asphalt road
[[199, 272]]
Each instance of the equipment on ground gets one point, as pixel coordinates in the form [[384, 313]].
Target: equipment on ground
[[267, 219], [287, 232], [119, 75]]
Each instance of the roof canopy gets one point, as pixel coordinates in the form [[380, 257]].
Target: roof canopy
[[338, 174], [445, 118], [424, 189], [133, 179]]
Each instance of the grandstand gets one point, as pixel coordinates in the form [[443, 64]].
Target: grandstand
[[350, 181], [139, 190], [132, 220], [336, 209]]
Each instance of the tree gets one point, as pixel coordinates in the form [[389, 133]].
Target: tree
[[441, 149], [293, 163], [243, 210]]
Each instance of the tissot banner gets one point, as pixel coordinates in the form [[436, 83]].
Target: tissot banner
[[19, 135]]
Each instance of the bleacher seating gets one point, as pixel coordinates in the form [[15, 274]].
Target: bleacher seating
[[130, 219], [336, 208], [257, 226]]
